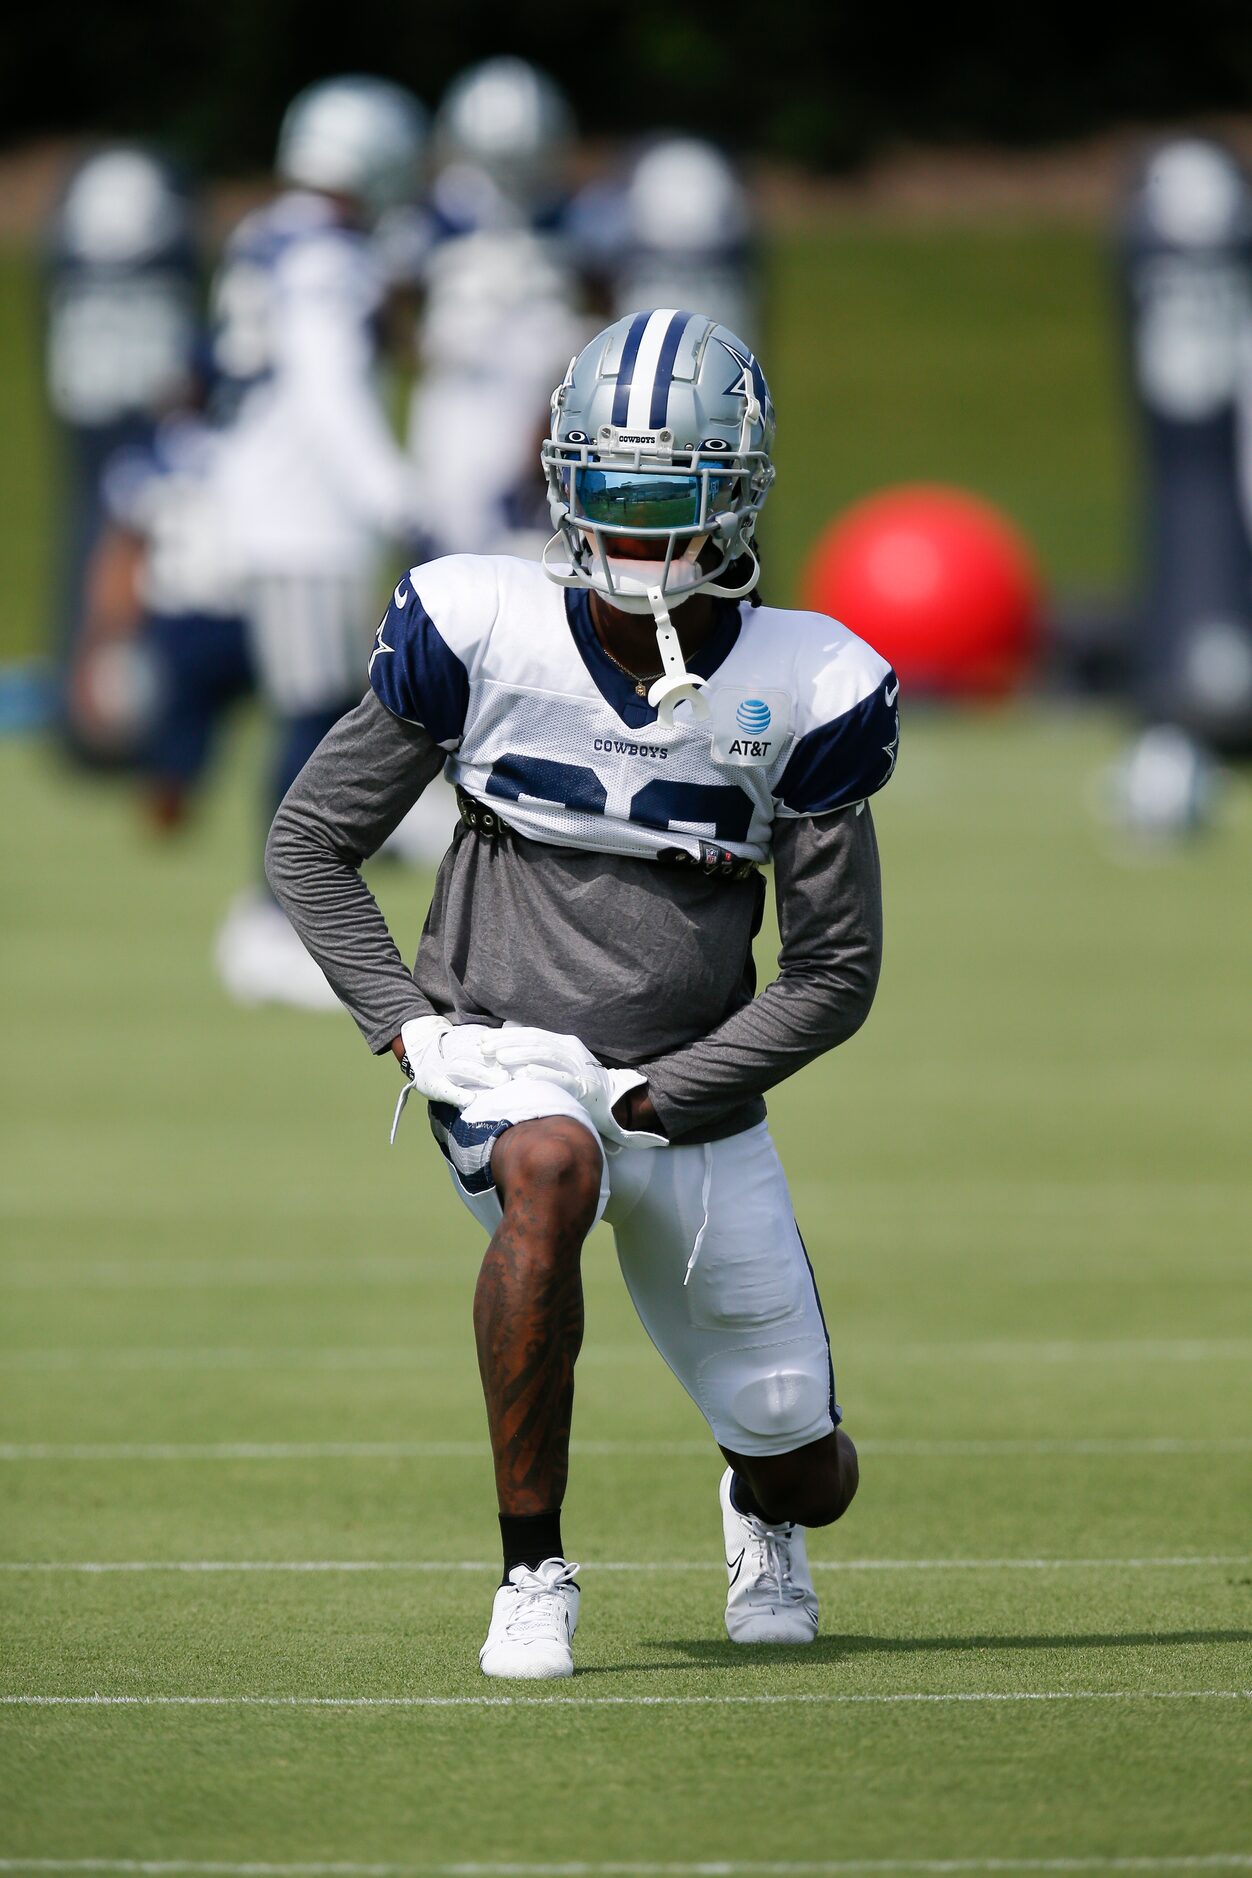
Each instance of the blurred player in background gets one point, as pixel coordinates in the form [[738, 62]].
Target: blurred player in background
[[163, 653], [121, 275], [632, 736], [1186, 256], [502, 314], [501, 318], [313, 481], [674, 229]]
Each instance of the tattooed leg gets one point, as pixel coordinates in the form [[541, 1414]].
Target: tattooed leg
[[528, 1307]]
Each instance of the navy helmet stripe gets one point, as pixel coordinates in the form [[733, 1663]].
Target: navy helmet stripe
[[665, 370], [626, 370]]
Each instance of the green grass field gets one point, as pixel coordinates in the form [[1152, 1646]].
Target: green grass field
[[236, 1335]]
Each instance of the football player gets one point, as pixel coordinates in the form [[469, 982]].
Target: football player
[[502, 302], [678, 225], [159, 604], [313, 483], [633, 737], [1185, 248], [121, 271]]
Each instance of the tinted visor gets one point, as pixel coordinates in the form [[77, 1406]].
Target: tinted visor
[[633, 499]]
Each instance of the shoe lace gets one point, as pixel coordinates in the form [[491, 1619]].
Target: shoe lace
[[771, 1561], [539, 1608]]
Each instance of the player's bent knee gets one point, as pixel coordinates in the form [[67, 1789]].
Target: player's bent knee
[[829, 1491], [554, 1164], [813, 1485], [778, 1408]]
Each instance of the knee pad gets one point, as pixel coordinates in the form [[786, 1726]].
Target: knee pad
[[768, 1398]]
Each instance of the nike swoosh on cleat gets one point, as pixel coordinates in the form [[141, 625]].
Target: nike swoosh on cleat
[[735, 1565]]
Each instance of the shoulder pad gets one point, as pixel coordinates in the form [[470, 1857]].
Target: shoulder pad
[[847, 719], [440, 615]]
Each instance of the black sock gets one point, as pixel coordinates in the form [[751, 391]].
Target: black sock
[[743, 1499], [530, 1538]]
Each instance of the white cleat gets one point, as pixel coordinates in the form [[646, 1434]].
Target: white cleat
[[771, 1597], [533, 1621], [260, 959]]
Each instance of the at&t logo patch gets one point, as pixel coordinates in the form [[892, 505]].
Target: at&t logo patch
[[749, 732]]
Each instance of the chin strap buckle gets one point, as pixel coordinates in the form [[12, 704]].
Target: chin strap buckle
[[676, 685]]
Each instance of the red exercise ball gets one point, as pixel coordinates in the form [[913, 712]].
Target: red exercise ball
[[938, 582]]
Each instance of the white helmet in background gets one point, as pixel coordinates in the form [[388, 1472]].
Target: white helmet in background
[[356, 136], [683, 195], [510, 121], [122, 207]]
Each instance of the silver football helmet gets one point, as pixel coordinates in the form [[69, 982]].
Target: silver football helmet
[[658, 464], [122, 207], [684, 196], [356, 136], [507, 120]]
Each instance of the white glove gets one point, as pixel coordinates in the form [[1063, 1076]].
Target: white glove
[[567, 1062], [446, 1062]]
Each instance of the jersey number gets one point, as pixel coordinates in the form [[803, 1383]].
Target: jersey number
[[659, 804]]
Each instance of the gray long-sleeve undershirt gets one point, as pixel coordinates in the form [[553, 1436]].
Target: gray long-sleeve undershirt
[[650, 965]]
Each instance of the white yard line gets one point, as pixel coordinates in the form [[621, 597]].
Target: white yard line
[[436, 1450], [810, 1698], [618, 1868], [998, 1351], [101, 1567]]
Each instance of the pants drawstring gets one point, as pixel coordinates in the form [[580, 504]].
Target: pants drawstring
[[705, 1188]]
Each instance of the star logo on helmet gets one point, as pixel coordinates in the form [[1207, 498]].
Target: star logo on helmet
[[751, 380]]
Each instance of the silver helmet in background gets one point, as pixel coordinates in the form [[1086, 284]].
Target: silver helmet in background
[[502, 131], [354, 136]]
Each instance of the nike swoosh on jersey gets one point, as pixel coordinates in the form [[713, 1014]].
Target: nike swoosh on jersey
[[401, 598], [891, 696]]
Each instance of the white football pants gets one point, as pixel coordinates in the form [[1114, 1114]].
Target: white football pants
[[310, 636], [712, 1258]]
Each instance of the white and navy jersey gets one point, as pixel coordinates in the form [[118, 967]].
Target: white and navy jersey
[[500, 324], [312, 474], [167, 493], [294, 246], [505, 671], [121, 342]]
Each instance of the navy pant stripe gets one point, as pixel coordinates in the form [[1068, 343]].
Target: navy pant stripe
[[834, 1407]]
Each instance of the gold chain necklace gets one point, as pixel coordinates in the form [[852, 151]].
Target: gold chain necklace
[[639, 681]]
